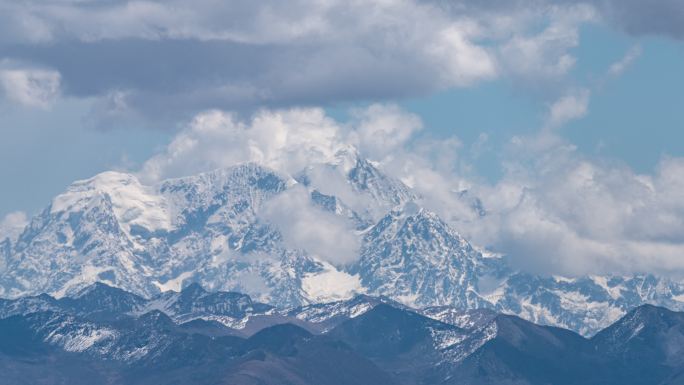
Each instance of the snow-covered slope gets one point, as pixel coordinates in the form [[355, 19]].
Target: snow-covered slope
[[145, 239]]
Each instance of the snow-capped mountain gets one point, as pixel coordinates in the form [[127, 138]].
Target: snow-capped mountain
[[111, 228], [210, 229]]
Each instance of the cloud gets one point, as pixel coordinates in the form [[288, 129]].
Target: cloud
[[381, 129], [556, 211], [173, 56], [12, 225], [32, 87], [571, 106], [172, 59], [287, 140], [664, 17], [437, 170], [333, 181], [619, 67], [306, 227], [535, 54]]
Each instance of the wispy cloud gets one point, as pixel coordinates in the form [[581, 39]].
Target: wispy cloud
[[619, 67], [571, 106]]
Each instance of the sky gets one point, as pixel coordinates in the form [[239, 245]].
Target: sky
[[563, 117]]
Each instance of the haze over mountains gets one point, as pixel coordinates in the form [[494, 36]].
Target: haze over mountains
[[329, 232], [106, 335]]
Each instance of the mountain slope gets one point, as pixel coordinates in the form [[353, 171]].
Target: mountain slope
[[646, 345], [403, 343], [516, 351], [415, 257]]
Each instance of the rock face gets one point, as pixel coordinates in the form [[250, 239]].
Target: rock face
[[107, 335], [413, 256], [211, 229]]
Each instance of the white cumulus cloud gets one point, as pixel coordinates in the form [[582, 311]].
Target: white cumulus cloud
[[287, 140], [306, 227], [571, 106]]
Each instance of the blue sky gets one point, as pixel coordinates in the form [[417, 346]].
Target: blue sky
[[636, 118], [509, 95]]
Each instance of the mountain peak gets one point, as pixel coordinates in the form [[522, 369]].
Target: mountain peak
[[101, 297], [95, 288], [414, 257], [156, 319], [346, 158], [648, 314], [104, 181], [279, 339], [641, 318], [385, 190]]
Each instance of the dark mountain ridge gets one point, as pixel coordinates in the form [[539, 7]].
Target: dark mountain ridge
[[106, 335]]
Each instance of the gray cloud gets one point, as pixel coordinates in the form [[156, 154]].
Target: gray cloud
[[169, 60], [659, 17], [28, 85]]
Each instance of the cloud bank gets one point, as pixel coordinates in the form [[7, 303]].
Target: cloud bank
[[168, 60], [554, 211]]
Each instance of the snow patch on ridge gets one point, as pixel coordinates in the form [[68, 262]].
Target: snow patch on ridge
[[88, 276], [331, 285], [174, 284], [82, 340], [615, 292]]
